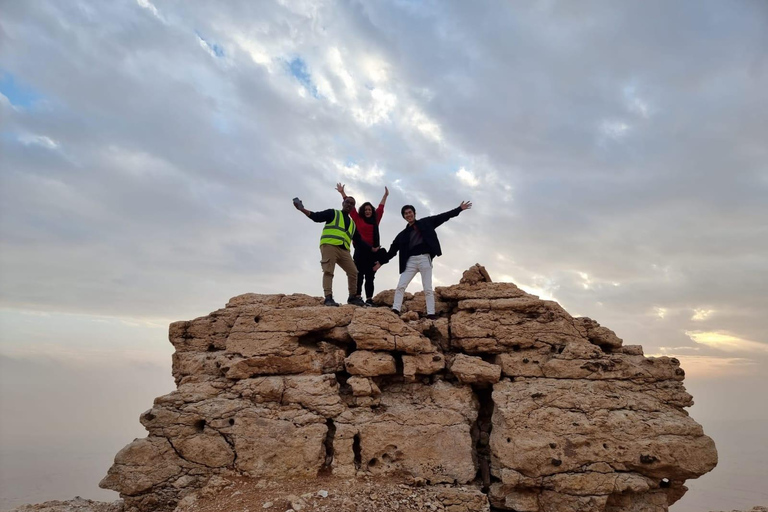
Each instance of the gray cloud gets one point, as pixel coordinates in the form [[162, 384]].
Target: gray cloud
[[619, 142]]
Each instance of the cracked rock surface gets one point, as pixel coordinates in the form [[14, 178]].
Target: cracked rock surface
[[504, 395]]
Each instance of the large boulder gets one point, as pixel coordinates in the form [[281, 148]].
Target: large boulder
[[504, 391]]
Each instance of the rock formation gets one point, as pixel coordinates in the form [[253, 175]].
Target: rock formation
[[504, 391]]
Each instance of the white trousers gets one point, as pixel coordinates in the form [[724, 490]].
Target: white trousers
[[421, 264]]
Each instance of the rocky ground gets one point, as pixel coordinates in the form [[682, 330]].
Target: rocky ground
[[76, 505], [247, 495], [320, 495], [332, 494]]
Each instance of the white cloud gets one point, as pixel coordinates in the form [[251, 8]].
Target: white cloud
[[635, 103], [701, 314], [372, 175], [336, 65], [377, 110], [39, 140], [614, 129], [586, 281], [726, 342], [146, 4], [429, 128], [255, 49], [712, 366], [468, 178], [376, 70]]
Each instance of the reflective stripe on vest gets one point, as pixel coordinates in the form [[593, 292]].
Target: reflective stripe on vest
[[335, 233]]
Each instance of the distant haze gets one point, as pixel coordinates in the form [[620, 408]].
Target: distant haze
[[149, 150]]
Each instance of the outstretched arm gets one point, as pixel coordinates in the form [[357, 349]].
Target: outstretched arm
[[322, 216], [384, 199], [442, 217], [300, 206], [340, 190]]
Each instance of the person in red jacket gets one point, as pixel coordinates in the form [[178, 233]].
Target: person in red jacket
[[367, 221]]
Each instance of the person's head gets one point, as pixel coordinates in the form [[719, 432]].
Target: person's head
[[409, 213], [366, 210], [348, 204]]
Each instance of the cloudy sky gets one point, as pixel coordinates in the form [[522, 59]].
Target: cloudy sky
[[149, 149]]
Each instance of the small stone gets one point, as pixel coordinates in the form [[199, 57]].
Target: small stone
[[322, 493]]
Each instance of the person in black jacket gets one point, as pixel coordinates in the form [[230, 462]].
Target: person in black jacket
[[418, 245]]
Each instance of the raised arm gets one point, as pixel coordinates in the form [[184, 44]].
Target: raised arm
[[384, 198], [340, 190]]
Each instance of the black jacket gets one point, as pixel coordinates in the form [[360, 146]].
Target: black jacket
[[427, 226]]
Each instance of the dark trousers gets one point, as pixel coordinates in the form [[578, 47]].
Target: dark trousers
[[365, 260]]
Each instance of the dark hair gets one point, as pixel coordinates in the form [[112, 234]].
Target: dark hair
[[407, 207], [361, 212]]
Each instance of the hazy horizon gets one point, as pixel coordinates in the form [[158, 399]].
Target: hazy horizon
[[56, 441], [149, 151]]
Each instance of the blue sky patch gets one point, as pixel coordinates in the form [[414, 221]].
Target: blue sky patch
[[299, 70], [216, 49], [20, 95]]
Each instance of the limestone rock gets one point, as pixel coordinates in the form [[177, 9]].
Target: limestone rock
[[475, 274], [419, 430], [496, 326], [597, 334], [142, 465], [362, 386], [504, 390], [370, 364], [317, 393], [288, 445], [379, 329], [422, 364], [473, 370]]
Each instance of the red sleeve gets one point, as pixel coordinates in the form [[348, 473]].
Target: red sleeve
[[355, 216], [379, 212]]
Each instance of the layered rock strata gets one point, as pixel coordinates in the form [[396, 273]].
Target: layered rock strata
[[542, 411]]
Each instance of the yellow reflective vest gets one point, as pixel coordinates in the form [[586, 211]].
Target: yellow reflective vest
[[336, 233]]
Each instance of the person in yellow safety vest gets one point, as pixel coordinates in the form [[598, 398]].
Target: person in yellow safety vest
[[337, 236]]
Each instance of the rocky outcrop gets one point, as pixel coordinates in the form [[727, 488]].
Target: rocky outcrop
[[504, 391]]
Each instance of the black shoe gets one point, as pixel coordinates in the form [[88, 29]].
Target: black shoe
[[330, 302], [396, 311], [432, 316], [355, 301], [369, 303]]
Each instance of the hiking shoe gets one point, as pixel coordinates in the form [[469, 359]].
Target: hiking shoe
[[355, 301], [396, 311], [330, 302], [369, 303], [432, 316]]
